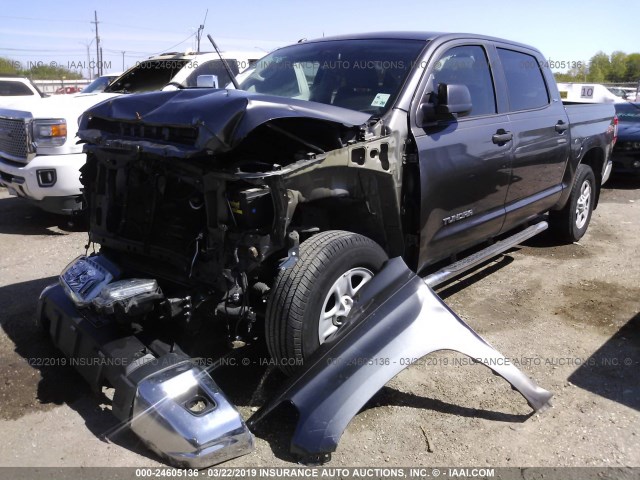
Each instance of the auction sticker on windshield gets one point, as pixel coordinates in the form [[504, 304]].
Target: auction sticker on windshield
[[380, 100]]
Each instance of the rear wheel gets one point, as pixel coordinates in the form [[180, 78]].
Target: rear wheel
[[310, 301], [571, 223]]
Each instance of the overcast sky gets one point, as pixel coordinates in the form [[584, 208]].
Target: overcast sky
[[46, 31]]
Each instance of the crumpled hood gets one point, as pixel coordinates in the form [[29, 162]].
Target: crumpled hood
[[223, 117]]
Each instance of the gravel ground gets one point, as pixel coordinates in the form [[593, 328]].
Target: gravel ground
[[569, 315]]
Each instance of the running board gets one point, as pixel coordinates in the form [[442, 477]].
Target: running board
[[477, 258]]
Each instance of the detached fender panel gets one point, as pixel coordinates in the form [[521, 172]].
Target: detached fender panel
[[397, 316]]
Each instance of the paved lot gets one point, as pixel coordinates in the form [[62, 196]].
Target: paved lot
[[568, 314]]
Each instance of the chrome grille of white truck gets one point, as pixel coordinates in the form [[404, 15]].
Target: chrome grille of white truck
[[13, 139]]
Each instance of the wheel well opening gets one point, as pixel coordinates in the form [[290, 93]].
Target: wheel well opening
[[349, 214], [595, 159]]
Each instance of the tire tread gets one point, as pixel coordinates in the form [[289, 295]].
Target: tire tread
[[292, 289]]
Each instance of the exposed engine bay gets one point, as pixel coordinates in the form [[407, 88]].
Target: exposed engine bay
[[219, 215]]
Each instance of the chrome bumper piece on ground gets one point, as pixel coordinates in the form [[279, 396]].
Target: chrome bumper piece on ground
[[173, 405], [181, 414]]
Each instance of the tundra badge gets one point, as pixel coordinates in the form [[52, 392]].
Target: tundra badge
[[457, 216]]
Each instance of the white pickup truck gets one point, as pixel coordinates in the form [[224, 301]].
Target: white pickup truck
[[14, 88], [39, 155]]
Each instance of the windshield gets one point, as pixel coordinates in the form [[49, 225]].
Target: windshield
[[628, 112], [147, 76], [98, 85], [363, 75]]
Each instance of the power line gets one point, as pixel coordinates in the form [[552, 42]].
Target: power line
[[140, 28], [174, 46], [134, 27], [43, 19], [128, 51], [35, 50], [54, 55]]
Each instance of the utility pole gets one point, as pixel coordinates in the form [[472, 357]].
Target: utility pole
[[88, 63], [123, 52], [201, 28], [89, 69], [98, 49]]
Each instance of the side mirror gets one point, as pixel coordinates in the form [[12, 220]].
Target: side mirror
[[207, 81], [451, 101]]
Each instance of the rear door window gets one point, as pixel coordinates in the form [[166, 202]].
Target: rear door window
[[525, 84]]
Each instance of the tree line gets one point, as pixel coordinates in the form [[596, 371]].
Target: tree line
[[38, 72], [602, 68]]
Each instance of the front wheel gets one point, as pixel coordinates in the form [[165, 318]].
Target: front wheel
[[310, 301], [570, 223]]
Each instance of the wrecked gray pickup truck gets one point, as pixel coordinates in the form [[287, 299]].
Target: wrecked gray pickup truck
[[273, 209]]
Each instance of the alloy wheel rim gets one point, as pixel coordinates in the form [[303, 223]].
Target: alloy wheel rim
[[339, 300], [583, 204]]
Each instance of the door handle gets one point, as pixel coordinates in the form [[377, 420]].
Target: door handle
[[501, 137], [561, 127]]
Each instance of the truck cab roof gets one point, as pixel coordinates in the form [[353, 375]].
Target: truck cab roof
[[417, 35]]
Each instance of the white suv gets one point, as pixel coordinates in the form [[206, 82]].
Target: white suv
[[39, 155]]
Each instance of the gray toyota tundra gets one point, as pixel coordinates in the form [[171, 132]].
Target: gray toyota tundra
[[272, 209]]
